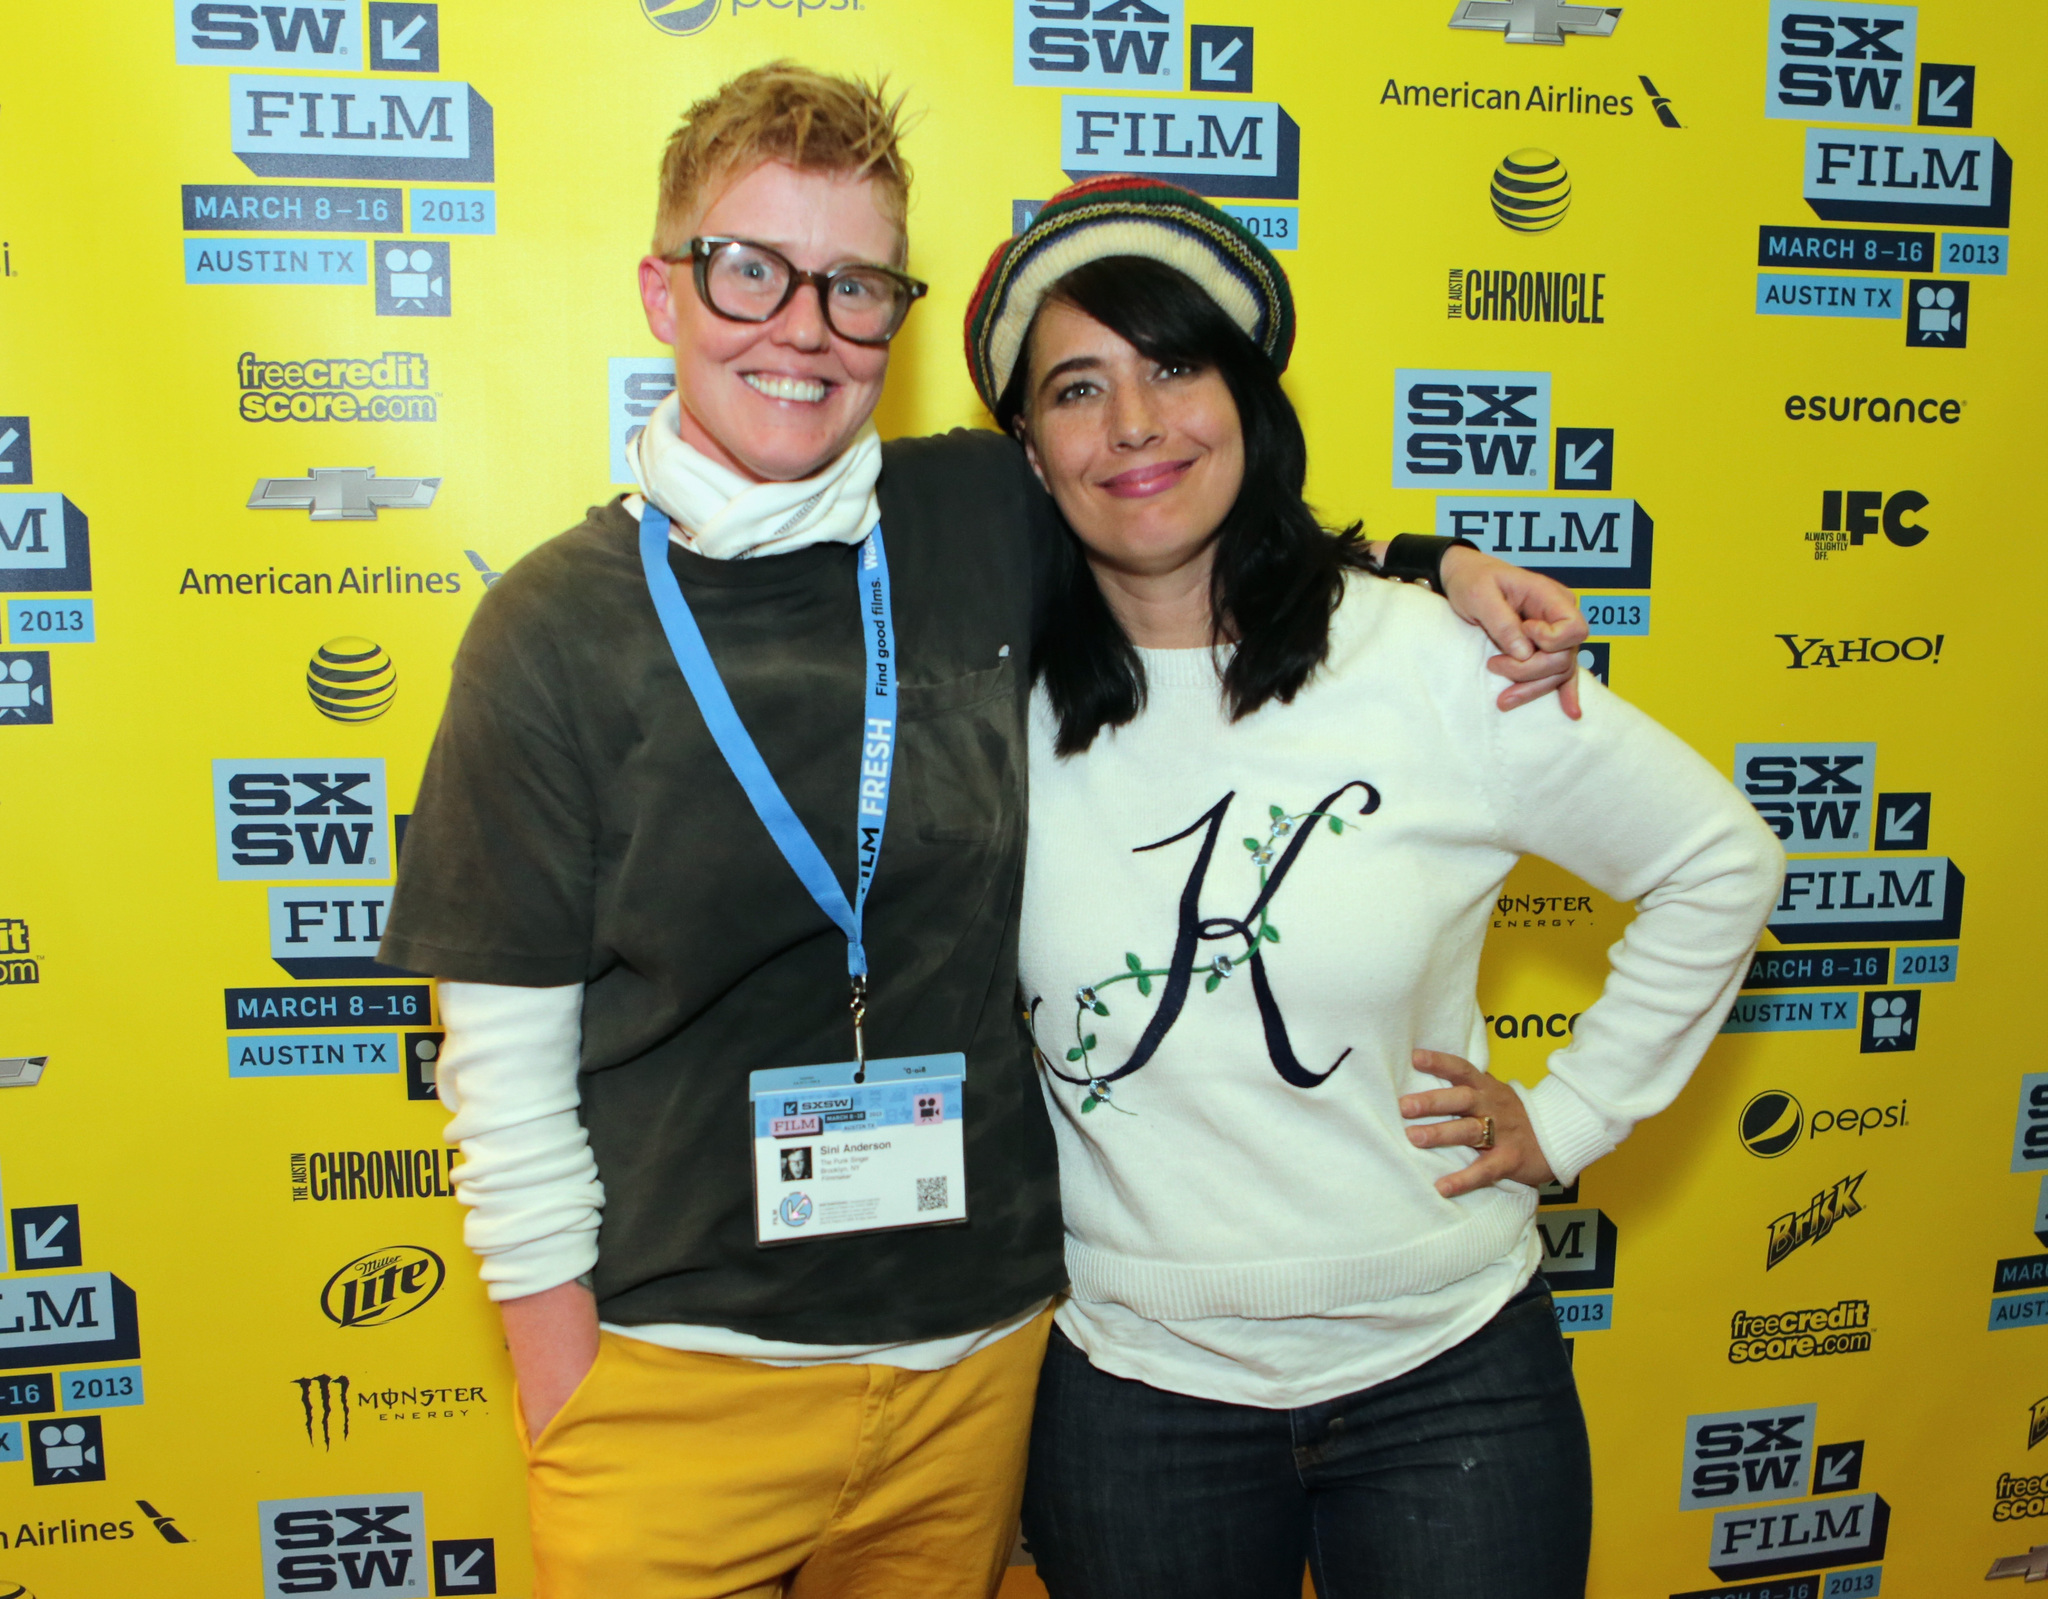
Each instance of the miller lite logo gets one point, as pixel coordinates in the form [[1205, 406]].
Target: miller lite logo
[[383, 1286]]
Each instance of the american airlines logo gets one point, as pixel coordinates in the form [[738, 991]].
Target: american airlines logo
[[343, 493]]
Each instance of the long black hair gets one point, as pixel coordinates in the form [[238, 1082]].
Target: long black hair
[[1278, 574]]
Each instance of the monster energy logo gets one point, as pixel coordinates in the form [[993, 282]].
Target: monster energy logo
[[333, 1397]]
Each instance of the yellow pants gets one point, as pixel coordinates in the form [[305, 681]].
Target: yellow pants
[[670, 1475]]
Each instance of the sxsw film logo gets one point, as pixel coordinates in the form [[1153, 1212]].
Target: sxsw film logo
[[405, 38], [367, 1544], [1813, 796], [1536, 21], [1797, 1228], [287, 821], [1471, 430], [389, 128], [322, 935], [1735, 1457], [2030, 1130], [465, 1565], [1935, 315], [46, 1237], [25, 698], [1848, 517], [1949, 179], [44, 544], [1098, 44], [384, 1286], [66, 1451], [1841, 66], [327, 35], [412, 277], [1244, 149], [1578, 1249], [1891, 1021], [17, 463], [66, 1319], [1579, 541]]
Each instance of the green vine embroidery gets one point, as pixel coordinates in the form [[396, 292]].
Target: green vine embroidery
[[1088, 1002]]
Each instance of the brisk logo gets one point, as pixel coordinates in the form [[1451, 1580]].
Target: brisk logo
[[1099, 44], [367, 1544], [1814, 796], [1848, 517], [327, 35], [1847, 66], [1735, 1457], [300, 820], [1471, 430], [2037, 1422], [1798, 1227]]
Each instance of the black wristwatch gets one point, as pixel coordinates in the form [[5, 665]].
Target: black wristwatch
[[1418, 558]]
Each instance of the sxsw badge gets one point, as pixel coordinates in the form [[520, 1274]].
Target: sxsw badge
[[1472, 430], [300, 821], [412, 277]]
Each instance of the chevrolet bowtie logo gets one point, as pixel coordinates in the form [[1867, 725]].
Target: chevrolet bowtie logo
[[1536, 21], [343, 493]]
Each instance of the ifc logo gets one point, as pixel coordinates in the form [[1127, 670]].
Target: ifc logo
[[1531, 191], [680, 17], [1770, 1124], [351, 680]]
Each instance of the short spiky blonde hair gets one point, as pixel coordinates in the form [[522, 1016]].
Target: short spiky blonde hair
[[781, 112]]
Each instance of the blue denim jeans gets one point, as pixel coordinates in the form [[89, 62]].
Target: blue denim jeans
[[1466, 1477]]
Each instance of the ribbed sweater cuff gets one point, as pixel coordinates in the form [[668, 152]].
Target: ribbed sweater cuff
[[1570, 1135]]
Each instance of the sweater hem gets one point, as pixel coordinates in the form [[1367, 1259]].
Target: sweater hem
[[1269, 1290]]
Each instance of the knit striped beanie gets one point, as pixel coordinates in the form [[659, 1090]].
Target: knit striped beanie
[[1123, 215]]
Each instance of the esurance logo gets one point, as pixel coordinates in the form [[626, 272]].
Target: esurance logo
[[326, 35], [1098, 44], [368, 1544], [1471, 430], [1841, 66], [284, 821], [393, 128], [387, 1285]]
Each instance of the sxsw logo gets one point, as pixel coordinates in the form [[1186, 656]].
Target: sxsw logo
[[327, 34], [391, 128], [1812, 795], [635, 385], [1841, 66], [1246, 149], [299, 820], [1736, 1457], [65, 1318], [1098, 44], [44, 547], [367, 1544], [17, 458], [1581, 542], [1578, 1249], [1471, 430], [2030, 1131]]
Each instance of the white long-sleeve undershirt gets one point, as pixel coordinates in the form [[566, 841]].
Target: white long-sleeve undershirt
[[509, 1071]]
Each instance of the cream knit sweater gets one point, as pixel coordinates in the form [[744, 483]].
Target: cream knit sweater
[[1254, 1168]]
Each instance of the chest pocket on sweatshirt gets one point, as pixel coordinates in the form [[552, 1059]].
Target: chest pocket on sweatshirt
[[961, 752]]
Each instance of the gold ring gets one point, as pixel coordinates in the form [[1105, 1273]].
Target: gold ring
[[1485, 1133]]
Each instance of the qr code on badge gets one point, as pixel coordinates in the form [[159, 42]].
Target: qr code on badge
[[931, 1193]]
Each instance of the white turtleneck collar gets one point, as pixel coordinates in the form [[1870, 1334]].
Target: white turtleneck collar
[[718, 513]]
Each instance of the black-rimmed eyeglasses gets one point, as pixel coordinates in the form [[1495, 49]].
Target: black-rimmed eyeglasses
[[747, 282]]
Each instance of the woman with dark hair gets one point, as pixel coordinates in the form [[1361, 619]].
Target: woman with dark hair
[[1271, 802]]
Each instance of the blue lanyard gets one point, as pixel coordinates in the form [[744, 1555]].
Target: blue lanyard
[[878, 743]]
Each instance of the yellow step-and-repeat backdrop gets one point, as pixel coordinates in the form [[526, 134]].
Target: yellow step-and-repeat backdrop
[[315, 316]]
